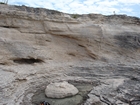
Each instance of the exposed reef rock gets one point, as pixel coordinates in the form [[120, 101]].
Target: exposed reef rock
[[40, 46]]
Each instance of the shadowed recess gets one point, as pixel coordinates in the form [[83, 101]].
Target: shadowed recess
[[9, 26], [27, 60]]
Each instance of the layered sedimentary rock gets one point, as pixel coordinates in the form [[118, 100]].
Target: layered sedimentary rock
[[39, 46]]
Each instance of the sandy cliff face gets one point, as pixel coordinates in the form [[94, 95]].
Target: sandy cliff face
[[39, 46], [25, 31]]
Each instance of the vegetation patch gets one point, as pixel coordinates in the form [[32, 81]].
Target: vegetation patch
[[4, 2], [75, 16]]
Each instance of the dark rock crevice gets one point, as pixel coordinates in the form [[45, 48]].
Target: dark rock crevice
[[9, 26], [27, 60]]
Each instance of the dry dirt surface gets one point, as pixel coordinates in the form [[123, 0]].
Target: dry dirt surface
[[98, 54]]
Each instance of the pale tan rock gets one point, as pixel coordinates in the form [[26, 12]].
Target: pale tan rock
[[39, 45], [60, 90]]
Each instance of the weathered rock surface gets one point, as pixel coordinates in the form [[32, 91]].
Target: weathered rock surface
[[39, 46], [60, 90]]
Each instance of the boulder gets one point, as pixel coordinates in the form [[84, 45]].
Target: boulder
[[60, 90]]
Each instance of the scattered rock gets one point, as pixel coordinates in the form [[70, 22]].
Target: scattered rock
[[60, 90]]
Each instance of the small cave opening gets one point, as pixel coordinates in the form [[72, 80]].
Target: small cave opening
[[27, 60], [9, 26]]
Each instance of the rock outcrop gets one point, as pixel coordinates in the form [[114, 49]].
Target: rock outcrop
[[40, 46], [60, 90]]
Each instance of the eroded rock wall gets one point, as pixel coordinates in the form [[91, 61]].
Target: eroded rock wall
[[39, 46]]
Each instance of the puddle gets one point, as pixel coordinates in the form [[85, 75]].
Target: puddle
[[78, 99]]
